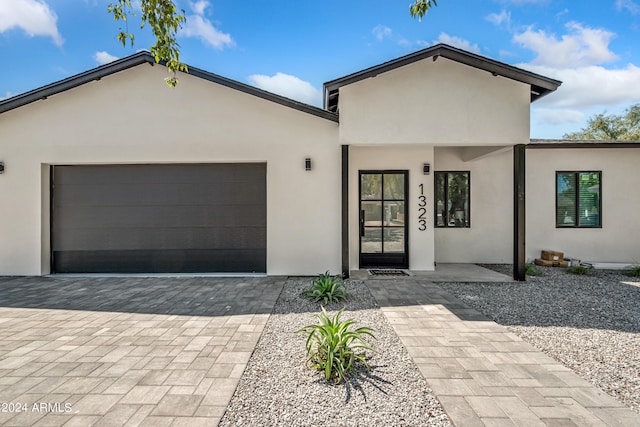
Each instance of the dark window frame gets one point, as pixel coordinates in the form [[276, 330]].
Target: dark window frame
[[577, 199], [446, 197]]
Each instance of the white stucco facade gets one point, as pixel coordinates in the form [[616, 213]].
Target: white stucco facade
[[451, 115], [131, 117], [616, 240], [441, 103], [491, 208]]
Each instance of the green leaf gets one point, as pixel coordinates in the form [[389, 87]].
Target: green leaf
[[331, 345], [163, 18]]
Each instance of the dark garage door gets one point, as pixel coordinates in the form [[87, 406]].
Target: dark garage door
[[159, 218]]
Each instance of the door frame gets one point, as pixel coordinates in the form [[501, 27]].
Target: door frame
[[383, 260]]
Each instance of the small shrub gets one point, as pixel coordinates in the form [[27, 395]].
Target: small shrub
[[327, 289], [532, 270], [633, 271], [332, 345], [578, 269]]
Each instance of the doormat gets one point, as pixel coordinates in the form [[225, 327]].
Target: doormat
[[388, 272]]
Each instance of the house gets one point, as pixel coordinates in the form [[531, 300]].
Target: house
[[421, 160]]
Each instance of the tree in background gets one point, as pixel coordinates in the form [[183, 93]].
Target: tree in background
[[625, 127], [165, 20]]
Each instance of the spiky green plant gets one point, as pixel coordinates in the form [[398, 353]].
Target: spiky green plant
[[633, 271], [327, 289], [332, 345], [532, 270], [579, 270]]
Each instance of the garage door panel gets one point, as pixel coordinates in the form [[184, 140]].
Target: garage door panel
[[182, 173], [159, 194], [223, 260], [161, 238], [159, 218], [78, 217]]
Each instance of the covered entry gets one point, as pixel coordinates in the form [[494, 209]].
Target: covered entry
[[174, 218]]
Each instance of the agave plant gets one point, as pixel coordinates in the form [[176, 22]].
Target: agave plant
[[332, 346], [327, 289]]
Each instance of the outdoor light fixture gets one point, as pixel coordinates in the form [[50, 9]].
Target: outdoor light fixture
[[1, 167], [307, 164], [425, 168]]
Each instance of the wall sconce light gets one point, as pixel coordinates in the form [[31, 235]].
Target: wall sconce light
[[1, 167], [307, 164], [426, 168]]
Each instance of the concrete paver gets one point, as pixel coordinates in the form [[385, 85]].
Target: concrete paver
[[483, 374], [127, 351], [170, 351]]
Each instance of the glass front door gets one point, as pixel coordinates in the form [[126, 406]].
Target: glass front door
[[383, 229]]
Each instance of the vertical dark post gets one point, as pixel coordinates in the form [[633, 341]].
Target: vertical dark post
[[345, 211], [519, 232]]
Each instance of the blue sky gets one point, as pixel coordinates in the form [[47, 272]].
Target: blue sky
[[292, 47]]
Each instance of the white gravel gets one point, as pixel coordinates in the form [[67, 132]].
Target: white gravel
[[278, 389], [591, 324]]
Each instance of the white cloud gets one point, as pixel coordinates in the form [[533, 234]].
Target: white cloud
[[583, 46], [200, 27], [34, 17], [102, 57], [591, 86], [557, 116], [199, 7], [457, 42], [381, 31], [629, 5], [498, 19], [576, 59], [288, 86], [7, 95]]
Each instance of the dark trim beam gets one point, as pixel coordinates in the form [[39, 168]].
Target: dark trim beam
[[540, 85], [145, 57], [537, 144], [345, 211], [519, 233]]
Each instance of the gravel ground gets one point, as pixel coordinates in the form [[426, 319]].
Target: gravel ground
[[278, 389], [591, 323]]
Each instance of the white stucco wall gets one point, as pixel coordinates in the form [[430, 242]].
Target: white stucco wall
[[133, 117], [490, 237], [439, 103], [410, 158], [617, 240]]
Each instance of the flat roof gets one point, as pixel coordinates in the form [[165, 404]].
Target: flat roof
[[581, 143]]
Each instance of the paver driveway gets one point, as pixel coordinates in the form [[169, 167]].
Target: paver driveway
[[126, 351]]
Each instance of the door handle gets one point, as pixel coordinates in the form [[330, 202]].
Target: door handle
[[362, 223]]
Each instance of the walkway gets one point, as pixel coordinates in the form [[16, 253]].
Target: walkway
[[484, 375], [126, 351]]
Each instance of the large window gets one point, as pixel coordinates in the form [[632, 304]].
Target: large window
[[452, 199], [578, 202]]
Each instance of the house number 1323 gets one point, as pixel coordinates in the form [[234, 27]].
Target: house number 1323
[[422, 209]]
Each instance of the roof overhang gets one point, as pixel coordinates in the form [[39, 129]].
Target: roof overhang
[[142, 58], [570, 143], [540, 85]]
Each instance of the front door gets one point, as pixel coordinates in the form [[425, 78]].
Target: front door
[[383, 229]]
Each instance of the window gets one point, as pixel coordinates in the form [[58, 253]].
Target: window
[[452, 199], [578, 202]]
